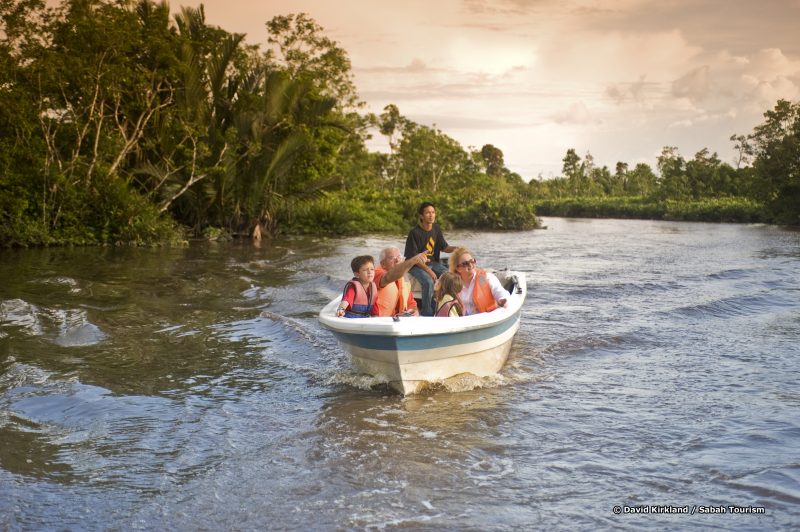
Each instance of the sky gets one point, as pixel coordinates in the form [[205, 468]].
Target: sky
[[619, 79]]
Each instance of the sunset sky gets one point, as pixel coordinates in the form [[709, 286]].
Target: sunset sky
[[620, 79]]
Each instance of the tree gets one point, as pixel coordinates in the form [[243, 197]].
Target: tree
[[299, 47], [602, 182], [493, 159], [573, 170], [25, 212], [703, 174], [92, 106], [642, 181], [673, 183], [429, 158], [776, 145], [744, 151]]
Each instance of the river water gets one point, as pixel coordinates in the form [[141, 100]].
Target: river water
[[656, 369]]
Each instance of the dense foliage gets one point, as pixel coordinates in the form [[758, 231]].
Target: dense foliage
[[122, 124], [733, 209]]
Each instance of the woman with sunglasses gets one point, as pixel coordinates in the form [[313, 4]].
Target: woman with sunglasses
[[482, 291]]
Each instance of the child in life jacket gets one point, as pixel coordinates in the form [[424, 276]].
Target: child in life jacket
[[360, 297], [446, 290]]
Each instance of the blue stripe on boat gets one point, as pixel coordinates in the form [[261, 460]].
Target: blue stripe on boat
[[427, 341]]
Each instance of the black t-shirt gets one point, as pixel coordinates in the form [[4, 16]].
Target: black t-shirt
[[420, 240]]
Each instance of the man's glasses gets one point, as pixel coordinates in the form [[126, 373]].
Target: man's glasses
[[466, 263]]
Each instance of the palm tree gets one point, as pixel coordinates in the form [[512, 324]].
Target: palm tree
[[228, 148]]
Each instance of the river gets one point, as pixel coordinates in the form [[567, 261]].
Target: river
[[655, 373]]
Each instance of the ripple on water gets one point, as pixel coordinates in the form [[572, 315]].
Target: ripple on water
[[21, 314], [780, 484], [735, 306], [66, 327]]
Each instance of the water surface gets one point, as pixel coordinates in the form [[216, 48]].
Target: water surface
[[193, 388]]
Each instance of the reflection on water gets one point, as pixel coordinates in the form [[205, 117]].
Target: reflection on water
[[192, 388]]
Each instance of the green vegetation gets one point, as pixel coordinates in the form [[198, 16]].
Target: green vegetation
[[705, 210], [122, 124], [345, 213]]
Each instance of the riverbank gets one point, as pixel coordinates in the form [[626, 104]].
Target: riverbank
[[353, 213]]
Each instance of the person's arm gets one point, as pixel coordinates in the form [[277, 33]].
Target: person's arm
[[396, 272], [499, 293], [442, 243], [347, 300], [380, 273]]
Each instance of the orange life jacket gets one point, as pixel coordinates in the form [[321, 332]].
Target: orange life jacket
[[392, 298], [482, 293], [362, 301]]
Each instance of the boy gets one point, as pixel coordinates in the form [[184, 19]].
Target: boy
[[360, 298]]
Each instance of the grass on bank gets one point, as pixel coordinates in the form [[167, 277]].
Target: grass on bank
[[731, 209]]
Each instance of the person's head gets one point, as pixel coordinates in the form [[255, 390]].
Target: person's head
[[462, 262], [363, 268], [447, 284], [427, 212], [390, 257]]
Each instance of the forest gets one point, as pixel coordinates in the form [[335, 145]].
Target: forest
[[123, 124]]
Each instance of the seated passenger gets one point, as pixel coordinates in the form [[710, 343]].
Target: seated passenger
[[394, 294], [446, 289], [360, 297], [482, 291], [427, 236]]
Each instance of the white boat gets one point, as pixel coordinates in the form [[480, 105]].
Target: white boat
[[414, 352]]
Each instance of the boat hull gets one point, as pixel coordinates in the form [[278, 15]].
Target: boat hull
[[413, 363]]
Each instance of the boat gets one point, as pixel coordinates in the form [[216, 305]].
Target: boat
[[414, 352]]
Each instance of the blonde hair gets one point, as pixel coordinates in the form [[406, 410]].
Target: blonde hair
[[455, 258]]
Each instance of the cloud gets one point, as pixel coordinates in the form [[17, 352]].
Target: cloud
[[449, 121], [577, 113], [637, 91], [417, 65], [504, 7], [586, 55], [695, 85]]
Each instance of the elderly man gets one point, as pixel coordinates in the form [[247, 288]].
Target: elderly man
[[394, 295]]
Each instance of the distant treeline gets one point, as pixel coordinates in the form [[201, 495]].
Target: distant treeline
[[122, 124]]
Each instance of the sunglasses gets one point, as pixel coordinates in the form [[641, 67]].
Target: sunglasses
[[466, 263]]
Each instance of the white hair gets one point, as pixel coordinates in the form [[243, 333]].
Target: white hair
[[385, 251]]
